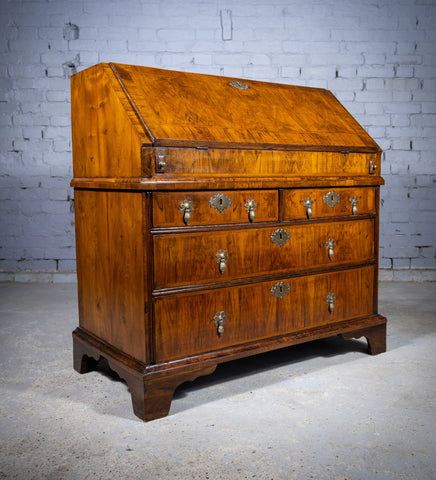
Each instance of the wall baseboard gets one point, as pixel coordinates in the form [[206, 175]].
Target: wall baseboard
[[385, 275]]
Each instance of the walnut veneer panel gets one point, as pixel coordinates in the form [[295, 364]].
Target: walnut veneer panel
[[107, 134], [193, 109], [221, 163], [110, 268], [254, 313], [190, 258]]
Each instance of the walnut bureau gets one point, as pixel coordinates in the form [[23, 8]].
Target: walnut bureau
[[216, 218]]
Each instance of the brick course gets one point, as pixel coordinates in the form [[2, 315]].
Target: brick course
[[378, 57]]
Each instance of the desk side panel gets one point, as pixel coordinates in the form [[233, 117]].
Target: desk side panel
[[107, 134], [111, 274]]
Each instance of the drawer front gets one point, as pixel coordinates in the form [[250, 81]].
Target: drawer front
[[228, 163], [178, 209], [202, 257], [327, 202], [190, 324]]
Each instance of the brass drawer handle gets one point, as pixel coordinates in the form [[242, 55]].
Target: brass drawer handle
[[219, 320], [308, 202], [251, 206], [221, 257], [330, 299], [186, 208], [354, 202], [330, 247]]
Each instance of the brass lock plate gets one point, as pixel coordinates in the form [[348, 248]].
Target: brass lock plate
[[331, 198], [280, 289], [239, 85], [220, 202], [280, 236]]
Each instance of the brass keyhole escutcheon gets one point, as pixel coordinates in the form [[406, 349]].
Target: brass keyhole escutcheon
[[280, 236], [238, 84], [280, 289], [331, 198], [220, 202]]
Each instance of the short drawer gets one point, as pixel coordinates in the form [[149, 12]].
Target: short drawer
[[327, 202], [221, 256], [195, 323], [178, 209]]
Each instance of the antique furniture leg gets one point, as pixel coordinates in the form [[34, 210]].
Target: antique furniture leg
[[151, 398], [376, 337], [151, 393]]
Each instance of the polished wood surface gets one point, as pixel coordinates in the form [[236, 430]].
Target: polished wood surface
[[188, 109], [111, 263], [168, 213], [211, 182], [186, 162], [191, 258], [254, 313], [106, 133], [151, 279], [294, 202]]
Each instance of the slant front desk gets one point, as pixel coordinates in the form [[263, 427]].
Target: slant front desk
[[215, 219]]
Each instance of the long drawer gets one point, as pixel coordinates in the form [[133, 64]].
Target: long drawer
[[193, 323], [217, 256]]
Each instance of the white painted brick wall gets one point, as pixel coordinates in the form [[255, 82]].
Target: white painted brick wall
[[377, 56]]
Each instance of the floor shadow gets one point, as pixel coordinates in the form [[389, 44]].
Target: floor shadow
[[244, 368], [264, 362]]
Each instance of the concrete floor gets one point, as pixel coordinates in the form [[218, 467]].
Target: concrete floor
[[324, 410]]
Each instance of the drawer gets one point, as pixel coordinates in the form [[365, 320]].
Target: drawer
[[202, 257], [178, 209], [260, 163], [188, 324], [327, 202]]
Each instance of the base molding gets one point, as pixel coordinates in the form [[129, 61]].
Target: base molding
[[152, 386]]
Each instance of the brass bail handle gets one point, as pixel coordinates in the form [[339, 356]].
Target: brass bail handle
[[250, 206], [308, 203], [354, 202], [186, 208], [330, 299], [221, 257], [330, 247], [219, 320]]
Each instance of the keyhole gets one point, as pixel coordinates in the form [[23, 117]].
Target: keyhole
[[281, 236], [281, 289], [221, 201], [331, 198]]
